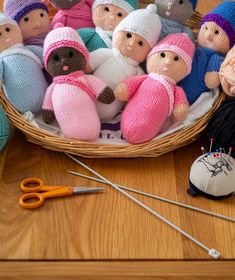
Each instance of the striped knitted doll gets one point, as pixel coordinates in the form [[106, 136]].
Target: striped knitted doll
[[73, 13], [106, 14], [132, 41], [72, 96], [173, 14], [32, 17], [216, 37], [154, 97], [4, 128], [20, 68]]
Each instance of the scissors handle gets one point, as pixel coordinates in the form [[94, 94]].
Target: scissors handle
[[37, 186]]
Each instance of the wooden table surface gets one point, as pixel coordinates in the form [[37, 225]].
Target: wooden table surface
[[107, 236]]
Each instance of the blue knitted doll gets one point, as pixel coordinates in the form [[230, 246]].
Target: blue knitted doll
[[106, 14], [4, 128], [20, 68], [173, 14], [216, 37]]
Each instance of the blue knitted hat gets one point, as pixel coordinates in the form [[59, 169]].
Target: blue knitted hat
[[127, 5], [224, 16], [7, 20], [4, 128], [194, 2]]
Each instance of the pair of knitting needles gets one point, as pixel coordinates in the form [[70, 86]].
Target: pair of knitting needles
[[212, 252]]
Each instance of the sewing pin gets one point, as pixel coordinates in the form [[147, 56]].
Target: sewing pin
[[230, 153], [203, 150], [211, 145]]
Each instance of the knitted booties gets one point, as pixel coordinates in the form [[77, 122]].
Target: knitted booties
[[106, 14], [76, 14], [32, 17], [4, 128], [72, 96]]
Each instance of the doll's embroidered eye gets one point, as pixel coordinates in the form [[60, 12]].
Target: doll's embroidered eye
[[120, 14], [71, 54], [176, 58], [216, 32], [41, 15], [181, 2], [7, 29], [106, 9], [140, 43], [26, 19], [128, 35], [56, 57], [206, 28], [163, 54]]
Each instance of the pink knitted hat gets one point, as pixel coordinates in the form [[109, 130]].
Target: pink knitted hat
[[63, 37], [178, 43]]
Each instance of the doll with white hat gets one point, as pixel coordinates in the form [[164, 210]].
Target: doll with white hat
[[32, 17], [106, 14], [72, 96], [21, 68], [216, 37], [4, 128], [154, 97], [132, 41]]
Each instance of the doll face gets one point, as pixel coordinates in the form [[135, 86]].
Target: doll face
[[64, 61], [108, 16], [64, 4], [131, 45], [212, 36], [168, 64], [9, 36], [35, 23], [177, 10]]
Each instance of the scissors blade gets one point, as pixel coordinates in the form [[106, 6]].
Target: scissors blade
[[80, 190]]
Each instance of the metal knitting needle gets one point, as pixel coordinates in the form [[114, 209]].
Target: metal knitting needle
[[220, 216], [212, 252]]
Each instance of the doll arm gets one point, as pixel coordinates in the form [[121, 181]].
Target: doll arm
[[181, 105], [47, 106], [86, 34], [212, 79], [38, 51], [97, 57], [59, 18], [103, 93]]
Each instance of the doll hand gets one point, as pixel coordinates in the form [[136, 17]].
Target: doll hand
[[88, 69], [212, 80], [180, 112], [106, 96], [121, 92], [48, 116]]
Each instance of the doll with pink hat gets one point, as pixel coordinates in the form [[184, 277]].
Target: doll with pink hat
[[76, 13], [72, 96], [154, 97]]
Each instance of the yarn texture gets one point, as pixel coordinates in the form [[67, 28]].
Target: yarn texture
[[4, 128]]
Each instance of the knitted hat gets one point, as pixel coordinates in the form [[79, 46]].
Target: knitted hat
[[224, 16], [144, 22], [194, 2], [127, 5], [63, 37], [4, 128], [178, 43], [17, 9], [4, 19]]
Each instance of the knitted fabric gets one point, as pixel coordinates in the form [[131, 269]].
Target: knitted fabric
[[4, 128], [4, 19], [144, 22], [17, 9], [205, 61], [79, 16], [151, 100], [72, 98], [224, 16], [37, 41], [127, 5], [194, 2]]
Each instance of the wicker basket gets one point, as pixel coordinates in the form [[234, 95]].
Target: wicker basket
[[154, 148]]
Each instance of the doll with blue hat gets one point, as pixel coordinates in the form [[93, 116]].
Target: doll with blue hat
[[216, 37], [173, 14], [106, 14], [20, 68], [4, 128]]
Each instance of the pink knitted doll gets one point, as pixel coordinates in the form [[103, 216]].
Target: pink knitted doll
[[76, 13], [72, 95], [154, 97]]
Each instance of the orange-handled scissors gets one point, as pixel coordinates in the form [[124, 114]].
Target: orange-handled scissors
[[35, 188]]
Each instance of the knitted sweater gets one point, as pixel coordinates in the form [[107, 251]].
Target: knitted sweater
[[113, 68], [79, 16], [152, 99], [205, 60], [171, 26], [72, 98], [4, 128], [96, 38], [23, 81]]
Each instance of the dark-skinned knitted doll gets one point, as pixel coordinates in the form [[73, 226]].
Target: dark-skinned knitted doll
[[72, 96]]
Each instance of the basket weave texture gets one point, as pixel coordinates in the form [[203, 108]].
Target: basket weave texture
[[154, 148]]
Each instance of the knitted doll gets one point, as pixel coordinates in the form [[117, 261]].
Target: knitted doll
[[227, 73], [154, 97], [73, 13], [4, 128], [132, 42], [32, 17], [20, 68], [71, 97], [173, 14], [106, 14], [216, 37]]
